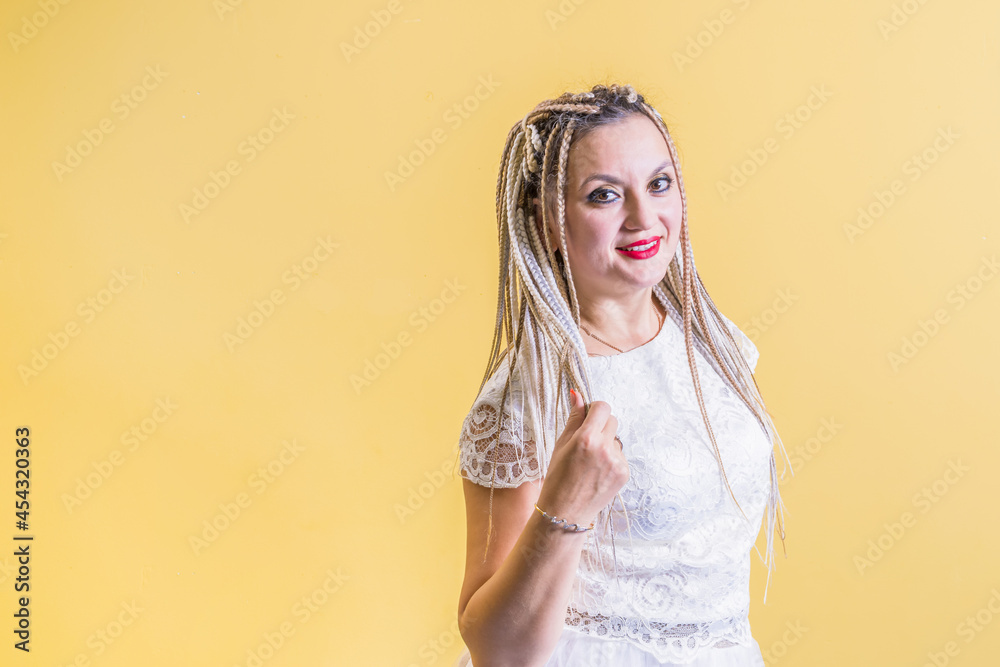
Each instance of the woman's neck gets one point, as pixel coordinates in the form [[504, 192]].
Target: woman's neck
[[624, 323]]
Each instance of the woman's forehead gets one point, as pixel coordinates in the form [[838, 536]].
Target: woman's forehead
[[631, 144]]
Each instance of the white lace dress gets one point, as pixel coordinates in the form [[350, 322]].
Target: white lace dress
[[682, 595]]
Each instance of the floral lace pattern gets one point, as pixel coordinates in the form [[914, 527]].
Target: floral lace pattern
[[514, 459], [683, 551]]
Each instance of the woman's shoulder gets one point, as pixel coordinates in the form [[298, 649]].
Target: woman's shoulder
[[493, 388], [497, 432], [747, 346]]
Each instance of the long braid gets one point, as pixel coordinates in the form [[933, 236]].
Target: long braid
[[550, 250], [561, 207]]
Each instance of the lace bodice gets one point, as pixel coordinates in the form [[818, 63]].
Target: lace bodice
[[683, 577]]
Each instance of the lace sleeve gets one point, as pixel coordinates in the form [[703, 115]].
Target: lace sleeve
[[747, 347], [504, 457]]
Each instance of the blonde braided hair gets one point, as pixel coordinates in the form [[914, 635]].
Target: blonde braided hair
[[536, 281]]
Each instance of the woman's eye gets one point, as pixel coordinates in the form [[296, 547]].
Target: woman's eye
[[602, 196], [662, 184]]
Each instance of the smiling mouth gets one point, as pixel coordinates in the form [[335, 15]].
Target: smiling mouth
[[640, 245]]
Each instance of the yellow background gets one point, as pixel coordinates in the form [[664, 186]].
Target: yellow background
[[383, 584]]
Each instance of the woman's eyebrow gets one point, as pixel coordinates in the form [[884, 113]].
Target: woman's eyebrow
[[615, 181]]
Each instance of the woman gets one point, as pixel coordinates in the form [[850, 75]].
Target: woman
[[625, 541]]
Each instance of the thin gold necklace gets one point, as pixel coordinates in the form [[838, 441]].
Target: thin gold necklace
[[662, 318]]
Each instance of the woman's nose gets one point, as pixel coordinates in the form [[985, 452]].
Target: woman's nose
[[642, 214]]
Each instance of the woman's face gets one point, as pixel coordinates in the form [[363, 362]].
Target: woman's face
[[620, 190]]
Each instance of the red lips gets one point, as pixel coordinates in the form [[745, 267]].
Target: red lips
[[642, 242]]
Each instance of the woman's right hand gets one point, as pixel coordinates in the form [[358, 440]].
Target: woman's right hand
[[587, 468]]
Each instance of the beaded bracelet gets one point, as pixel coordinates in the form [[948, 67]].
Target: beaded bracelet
[[572, 527]]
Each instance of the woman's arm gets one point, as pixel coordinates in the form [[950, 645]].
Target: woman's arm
[[512, 608]]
